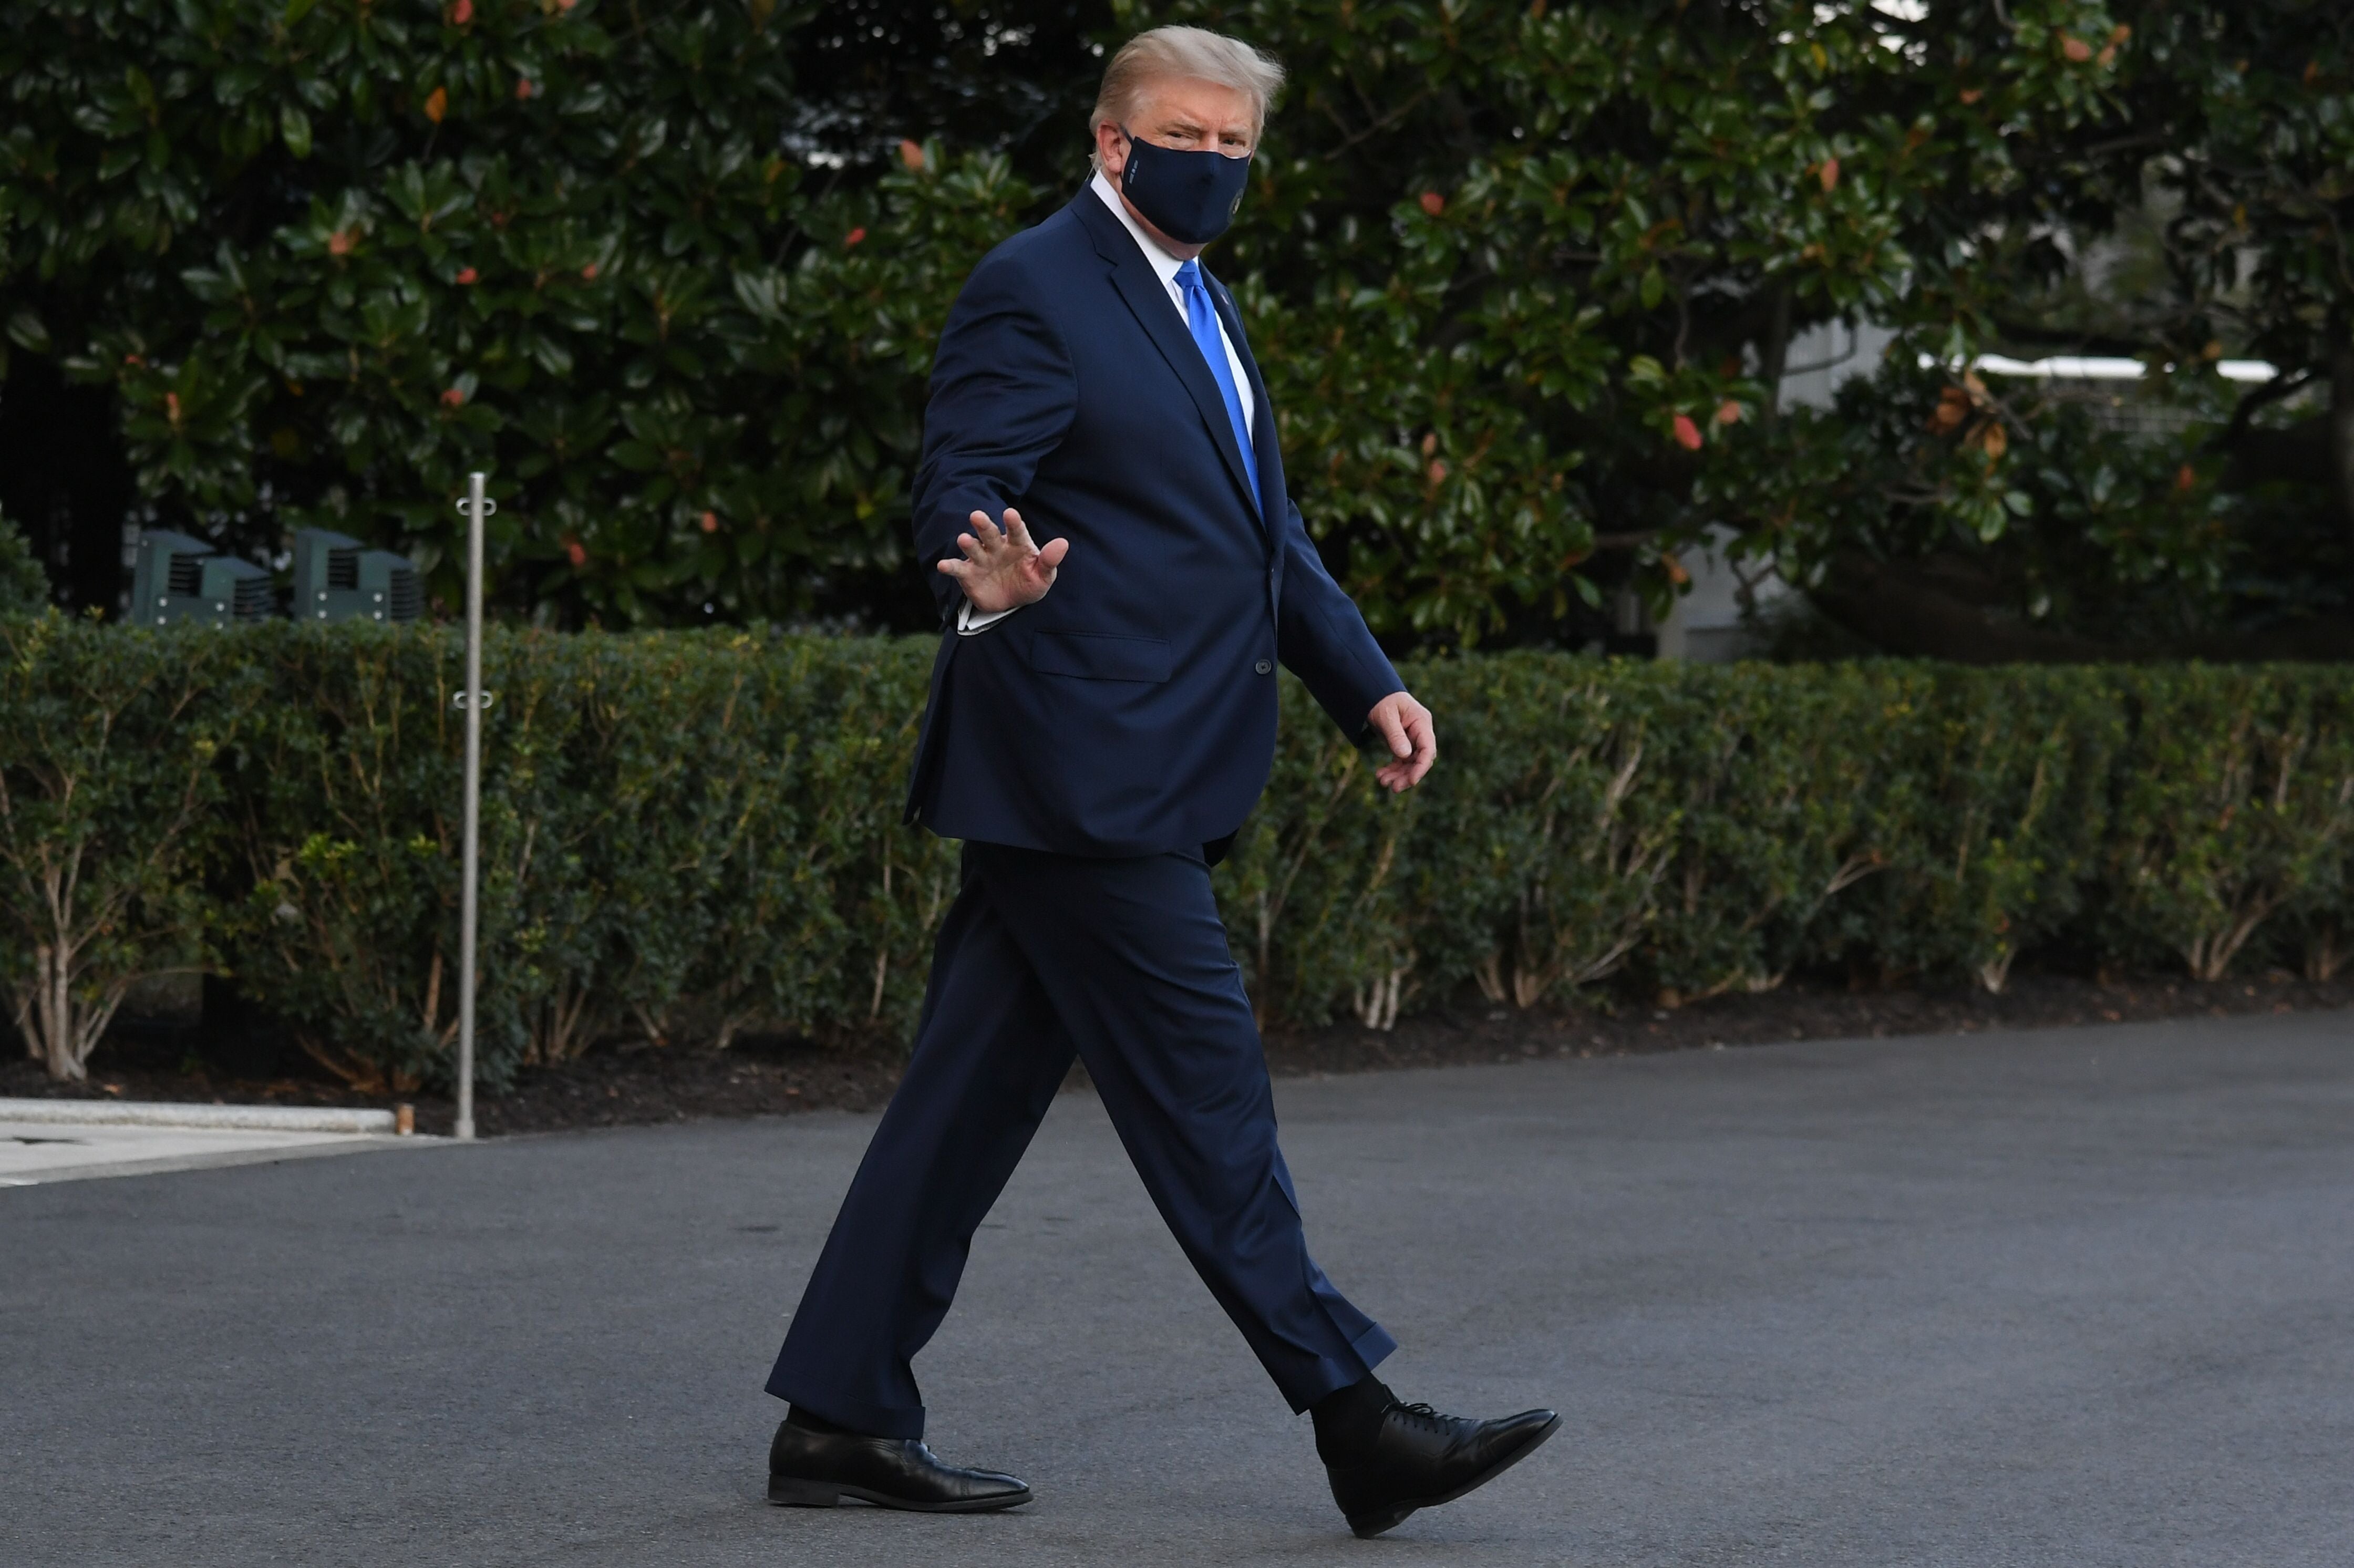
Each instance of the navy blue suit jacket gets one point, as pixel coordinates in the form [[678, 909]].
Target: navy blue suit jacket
[[1131, 711]]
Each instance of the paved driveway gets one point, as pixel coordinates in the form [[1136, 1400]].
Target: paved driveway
[[2079, 1299]]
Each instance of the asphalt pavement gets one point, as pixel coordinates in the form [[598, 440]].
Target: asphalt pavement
[[2076, 1297]]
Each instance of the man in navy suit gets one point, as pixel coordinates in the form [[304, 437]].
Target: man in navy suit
[[1101, 720]]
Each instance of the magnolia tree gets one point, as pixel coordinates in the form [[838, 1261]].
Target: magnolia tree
[[1531, 273], [2195, 213], [330, 259], [1524, 278]]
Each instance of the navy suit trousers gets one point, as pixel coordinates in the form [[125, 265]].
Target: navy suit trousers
[[1123, 962]]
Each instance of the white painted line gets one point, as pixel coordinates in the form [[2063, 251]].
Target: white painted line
[[151, 1113]]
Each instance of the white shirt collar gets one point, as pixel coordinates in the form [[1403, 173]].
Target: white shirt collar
[[1162, 262]]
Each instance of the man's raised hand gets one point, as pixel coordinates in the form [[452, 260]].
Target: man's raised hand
[[1002, 569]]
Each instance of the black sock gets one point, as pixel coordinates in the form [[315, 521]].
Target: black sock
[[811, 1421], [1347, 1418]]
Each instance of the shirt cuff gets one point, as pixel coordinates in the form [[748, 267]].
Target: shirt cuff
[[971, 621]]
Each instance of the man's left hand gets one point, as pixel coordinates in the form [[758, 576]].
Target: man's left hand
[[1405, 724]]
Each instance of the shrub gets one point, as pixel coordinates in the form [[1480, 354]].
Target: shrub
[[24, 586], [668, 818], [111, 809], [686, 835], [1702, 828], [2240, 804]]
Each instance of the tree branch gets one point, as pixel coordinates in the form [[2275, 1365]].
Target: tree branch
[[2257, 397], [1378, 125]]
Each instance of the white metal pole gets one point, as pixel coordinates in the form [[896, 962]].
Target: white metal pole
[[473, 831]]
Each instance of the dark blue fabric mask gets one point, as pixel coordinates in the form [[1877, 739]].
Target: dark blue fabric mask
[[1189, 197]]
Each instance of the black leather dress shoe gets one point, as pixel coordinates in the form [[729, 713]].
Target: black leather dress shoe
[[1418, 1459], [818, 1469]]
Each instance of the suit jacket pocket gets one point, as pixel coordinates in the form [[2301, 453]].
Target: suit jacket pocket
[[1093, 656]]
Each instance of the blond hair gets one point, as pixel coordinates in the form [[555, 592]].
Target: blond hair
[[1195, 54]]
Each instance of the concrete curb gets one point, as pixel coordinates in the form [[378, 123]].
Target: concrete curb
[[369, 1143], [268, 1118]]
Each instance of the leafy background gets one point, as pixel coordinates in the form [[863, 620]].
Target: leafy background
[[1523, 276]]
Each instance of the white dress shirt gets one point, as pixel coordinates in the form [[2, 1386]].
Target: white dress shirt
[[968, 620]]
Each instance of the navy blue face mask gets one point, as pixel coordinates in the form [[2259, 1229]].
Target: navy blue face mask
[[1189, 197]]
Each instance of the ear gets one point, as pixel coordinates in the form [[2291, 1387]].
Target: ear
[[1111, 150]]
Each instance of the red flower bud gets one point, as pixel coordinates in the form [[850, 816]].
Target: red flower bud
[[452, 398], [1433, 202], [579, 557], [711, 522], [1687, 433], [468, 275], [911, 153], [461, 13], [340, 242], [589, 272], [853, 236]]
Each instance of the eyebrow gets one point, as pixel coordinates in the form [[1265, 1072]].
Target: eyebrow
[[1185, 126], [1194, 128]]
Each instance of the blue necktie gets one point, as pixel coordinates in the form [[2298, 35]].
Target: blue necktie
[[1202, 317]]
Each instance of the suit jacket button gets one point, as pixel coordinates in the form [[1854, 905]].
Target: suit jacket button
[[1263, 666]]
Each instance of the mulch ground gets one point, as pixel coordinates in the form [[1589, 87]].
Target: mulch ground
[[633, 1082]]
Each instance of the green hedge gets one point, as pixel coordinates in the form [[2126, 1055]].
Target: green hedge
[[688, 834]]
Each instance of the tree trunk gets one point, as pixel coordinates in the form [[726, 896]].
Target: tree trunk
[[2341, 431], [51, 1017], [1774, 354]]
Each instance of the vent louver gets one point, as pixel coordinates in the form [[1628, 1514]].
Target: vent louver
[[406, 599], [338, 579], [167, 580], [254, 601]]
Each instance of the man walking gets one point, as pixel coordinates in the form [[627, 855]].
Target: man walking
[[1101, 720]]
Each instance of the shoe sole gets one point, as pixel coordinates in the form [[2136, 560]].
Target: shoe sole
[[829, 1494], [1368, 1525]]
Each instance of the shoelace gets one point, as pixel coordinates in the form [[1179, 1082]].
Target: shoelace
[[1430, 1420]]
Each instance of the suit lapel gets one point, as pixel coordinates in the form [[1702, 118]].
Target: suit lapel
[[1263, 439], [1149, 300]]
